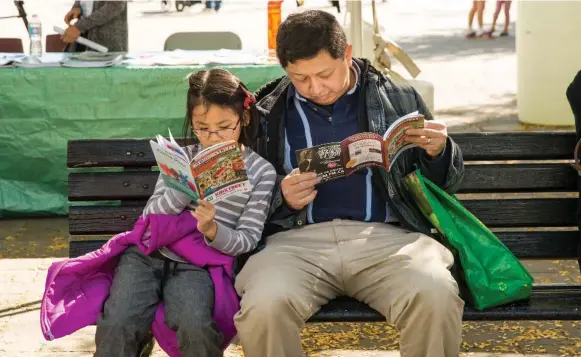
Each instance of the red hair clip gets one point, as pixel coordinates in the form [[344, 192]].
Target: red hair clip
[[249, 99]]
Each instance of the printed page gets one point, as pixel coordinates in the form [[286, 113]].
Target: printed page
[[325, 160], [220, 172], [171, 144], [394, 138], [175, 170], [362, 150]]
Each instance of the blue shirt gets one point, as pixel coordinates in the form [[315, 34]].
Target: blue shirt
[[309, 124]]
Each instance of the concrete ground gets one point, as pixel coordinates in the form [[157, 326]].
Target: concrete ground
[[475, 90]]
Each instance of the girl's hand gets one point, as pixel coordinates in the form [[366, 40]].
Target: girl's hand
[[205, 214]]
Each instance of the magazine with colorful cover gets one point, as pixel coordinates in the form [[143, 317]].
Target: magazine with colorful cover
[[213, 174], [339, 159]]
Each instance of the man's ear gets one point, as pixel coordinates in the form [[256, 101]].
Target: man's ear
[[349, 54]]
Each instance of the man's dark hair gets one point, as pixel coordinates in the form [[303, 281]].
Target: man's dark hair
[[303, 35]]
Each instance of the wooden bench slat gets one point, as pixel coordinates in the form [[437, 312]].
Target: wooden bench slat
[[501, 178], [556, 302], [525, 245], [110, 153], [110, 186], [475, 147], [78, 248], [102, 220], [541, 244], [546, 212], [516, 145], [478, 179]]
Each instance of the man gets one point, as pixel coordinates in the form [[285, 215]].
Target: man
[[327, 240], [103, 22]]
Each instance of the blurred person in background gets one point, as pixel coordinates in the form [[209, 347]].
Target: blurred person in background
[[499, 5], [103, 22], [213, 5], [477, 9]]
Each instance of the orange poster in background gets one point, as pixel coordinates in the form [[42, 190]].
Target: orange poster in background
[[274, 20]]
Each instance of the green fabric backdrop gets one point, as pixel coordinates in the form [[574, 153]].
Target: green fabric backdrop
[[43, 108]]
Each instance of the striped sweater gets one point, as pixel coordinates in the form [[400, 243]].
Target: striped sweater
[[240, 218]]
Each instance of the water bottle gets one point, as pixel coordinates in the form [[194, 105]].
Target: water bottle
[[35, 33]]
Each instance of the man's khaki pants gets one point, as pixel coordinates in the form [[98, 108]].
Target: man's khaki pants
[[401, 274]]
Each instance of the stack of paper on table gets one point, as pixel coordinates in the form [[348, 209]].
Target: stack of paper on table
[[92, 60], [225, 56], [7, 59], [195, 58], [48, 59]]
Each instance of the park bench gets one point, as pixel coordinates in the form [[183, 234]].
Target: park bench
[[522, 185]]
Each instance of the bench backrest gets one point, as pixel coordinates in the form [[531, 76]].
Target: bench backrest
[[521, 185]]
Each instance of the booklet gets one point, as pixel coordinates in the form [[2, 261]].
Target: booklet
[[214, 174], [336, 160]]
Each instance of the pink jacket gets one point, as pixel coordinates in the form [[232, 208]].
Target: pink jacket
[[77, 288]]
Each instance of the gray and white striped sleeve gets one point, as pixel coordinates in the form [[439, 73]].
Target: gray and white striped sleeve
[[166, 200], [249, 228]]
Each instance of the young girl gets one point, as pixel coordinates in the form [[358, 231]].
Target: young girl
[[219, 108]]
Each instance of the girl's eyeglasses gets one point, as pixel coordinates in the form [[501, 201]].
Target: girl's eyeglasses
[[223, 133]]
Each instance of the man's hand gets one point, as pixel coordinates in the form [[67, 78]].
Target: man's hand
[[298, 189], [71, 34], [205, 214], [72, 15], [431, 138]]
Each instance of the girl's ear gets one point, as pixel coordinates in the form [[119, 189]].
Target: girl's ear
[[246, 117]]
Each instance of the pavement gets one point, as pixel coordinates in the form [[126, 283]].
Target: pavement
[[475, 90]]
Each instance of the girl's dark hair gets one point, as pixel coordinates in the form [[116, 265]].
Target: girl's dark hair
[[222, 88]]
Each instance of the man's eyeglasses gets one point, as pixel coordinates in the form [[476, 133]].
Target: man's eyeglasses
[[223, 133]]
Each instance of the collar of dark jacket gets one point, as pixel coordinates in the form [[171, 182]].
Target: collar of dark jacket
[[271, 97]]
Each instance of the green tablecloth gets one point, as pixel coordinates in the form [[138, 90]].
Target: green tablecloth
[[42, 108]]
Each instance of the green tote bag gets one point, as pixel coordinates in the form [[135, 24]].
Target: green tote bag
[[492, 274]]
